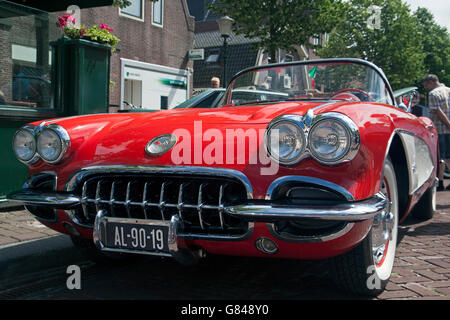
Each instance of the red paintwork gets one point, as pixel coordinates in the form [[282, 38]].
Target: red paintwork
[[120, 139]]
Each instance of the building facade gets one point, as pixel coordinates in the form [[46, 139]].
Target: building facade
[[241, 52], [151, 67]]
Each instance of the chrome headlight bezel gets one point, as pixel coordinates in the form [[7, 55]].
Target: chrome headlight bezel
[[29, 129], [308, 123], [292, 120], [64, 140], [351, 132]]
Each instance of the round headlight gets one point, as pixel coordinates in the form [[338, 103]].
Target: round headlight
[[52, 143], [285, 141], [331, 139], [24, 144]]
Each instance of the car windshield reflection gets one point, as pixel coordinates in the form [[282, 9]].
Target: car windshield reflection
[[349, 81]]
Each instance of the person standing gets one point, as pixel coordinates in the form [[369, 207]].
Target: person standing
[[439, 103], [215, 82]]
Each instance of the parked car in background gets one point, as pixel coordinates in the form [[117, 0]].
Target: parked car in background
[[409, 99], [211, 98], [323, 169], [206, 99]]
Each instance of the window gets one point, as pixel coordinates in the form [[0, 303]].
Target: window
[[213, 56], [135, 10], [316, 40], [26, 57], [158, 11]]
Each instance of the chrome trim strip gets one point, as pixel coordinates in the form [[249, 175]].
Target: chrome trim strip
[[35, 197], [350, 211], [309, 239], [301, 179], [184, 170]]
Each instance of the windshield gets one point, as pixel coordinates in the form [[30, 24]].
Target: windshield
[[337, 80]]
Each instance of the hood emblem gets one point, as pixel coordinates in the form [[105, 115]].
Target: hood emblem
[[160, 144]]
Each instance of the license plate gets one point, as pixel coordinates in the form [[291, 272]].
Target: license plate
[[137, 237]]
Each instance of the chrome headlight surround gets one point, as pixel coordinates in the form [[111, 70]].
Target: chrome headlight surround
[[28, 130], [350, 133], [63, 140], [298, 152], [308, 123]]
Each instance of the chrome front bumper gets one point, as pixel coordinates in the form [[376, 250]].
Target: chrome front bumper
[[263, 211]]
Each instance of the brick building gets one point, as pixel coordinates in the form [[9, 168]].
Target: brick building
[[160, 34], [155, 38]]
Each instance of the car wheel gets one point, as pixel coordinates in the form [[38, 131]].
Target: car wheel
[[88, 248], [367, 268], [426, 206]]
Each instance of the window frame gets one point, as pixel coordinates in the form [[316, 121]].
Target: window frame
[[159, 25], [130, 16]]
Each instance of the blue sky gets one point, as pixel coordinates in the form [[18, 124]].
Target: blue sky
[[439, 8]]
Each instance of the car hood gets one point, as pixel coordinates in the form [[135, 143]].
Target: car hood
[[121, 138], [254, 114]]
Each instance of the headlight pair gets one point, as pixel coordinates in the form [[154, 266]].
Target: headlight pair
[[330, 138], [49, 143]]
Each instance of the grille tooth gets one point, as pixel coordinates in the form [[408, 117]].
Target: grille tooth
[[144, 200], [221, 206], [112, 199], [97, 195], [198, 201], [84, 199], [127, 200]]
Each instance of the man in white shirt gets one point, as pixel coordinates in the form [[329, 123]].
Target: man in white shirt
[[439, 103]]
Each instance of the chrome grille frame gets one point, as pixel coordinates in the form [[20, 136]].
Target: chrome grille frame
[[82, 176]]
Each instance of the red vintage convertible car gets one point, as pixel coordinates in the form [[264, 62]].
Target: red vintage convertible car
[[321, 169]]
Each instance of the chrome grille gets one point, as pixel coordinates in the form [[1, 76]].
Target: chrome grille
[[199, 201]]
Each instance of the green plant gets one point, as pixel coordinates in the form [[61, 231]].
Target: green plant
[[100, 33]]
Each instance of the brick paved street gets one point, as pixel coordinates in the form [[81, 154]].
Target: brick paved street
[[16, 226], [421, 271]]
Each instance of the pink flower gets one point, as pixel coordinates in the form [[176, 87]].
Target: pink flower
[[83, 31], [106, 27], [64, 20]]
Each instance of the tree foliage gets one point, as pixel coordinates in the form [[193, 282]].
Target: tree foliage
[[436, 45], [396, 46], [281, 24], [124, 3]]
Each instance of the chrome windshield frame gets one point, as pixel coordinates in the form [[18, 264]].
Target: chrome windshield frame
[[371, 65]]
